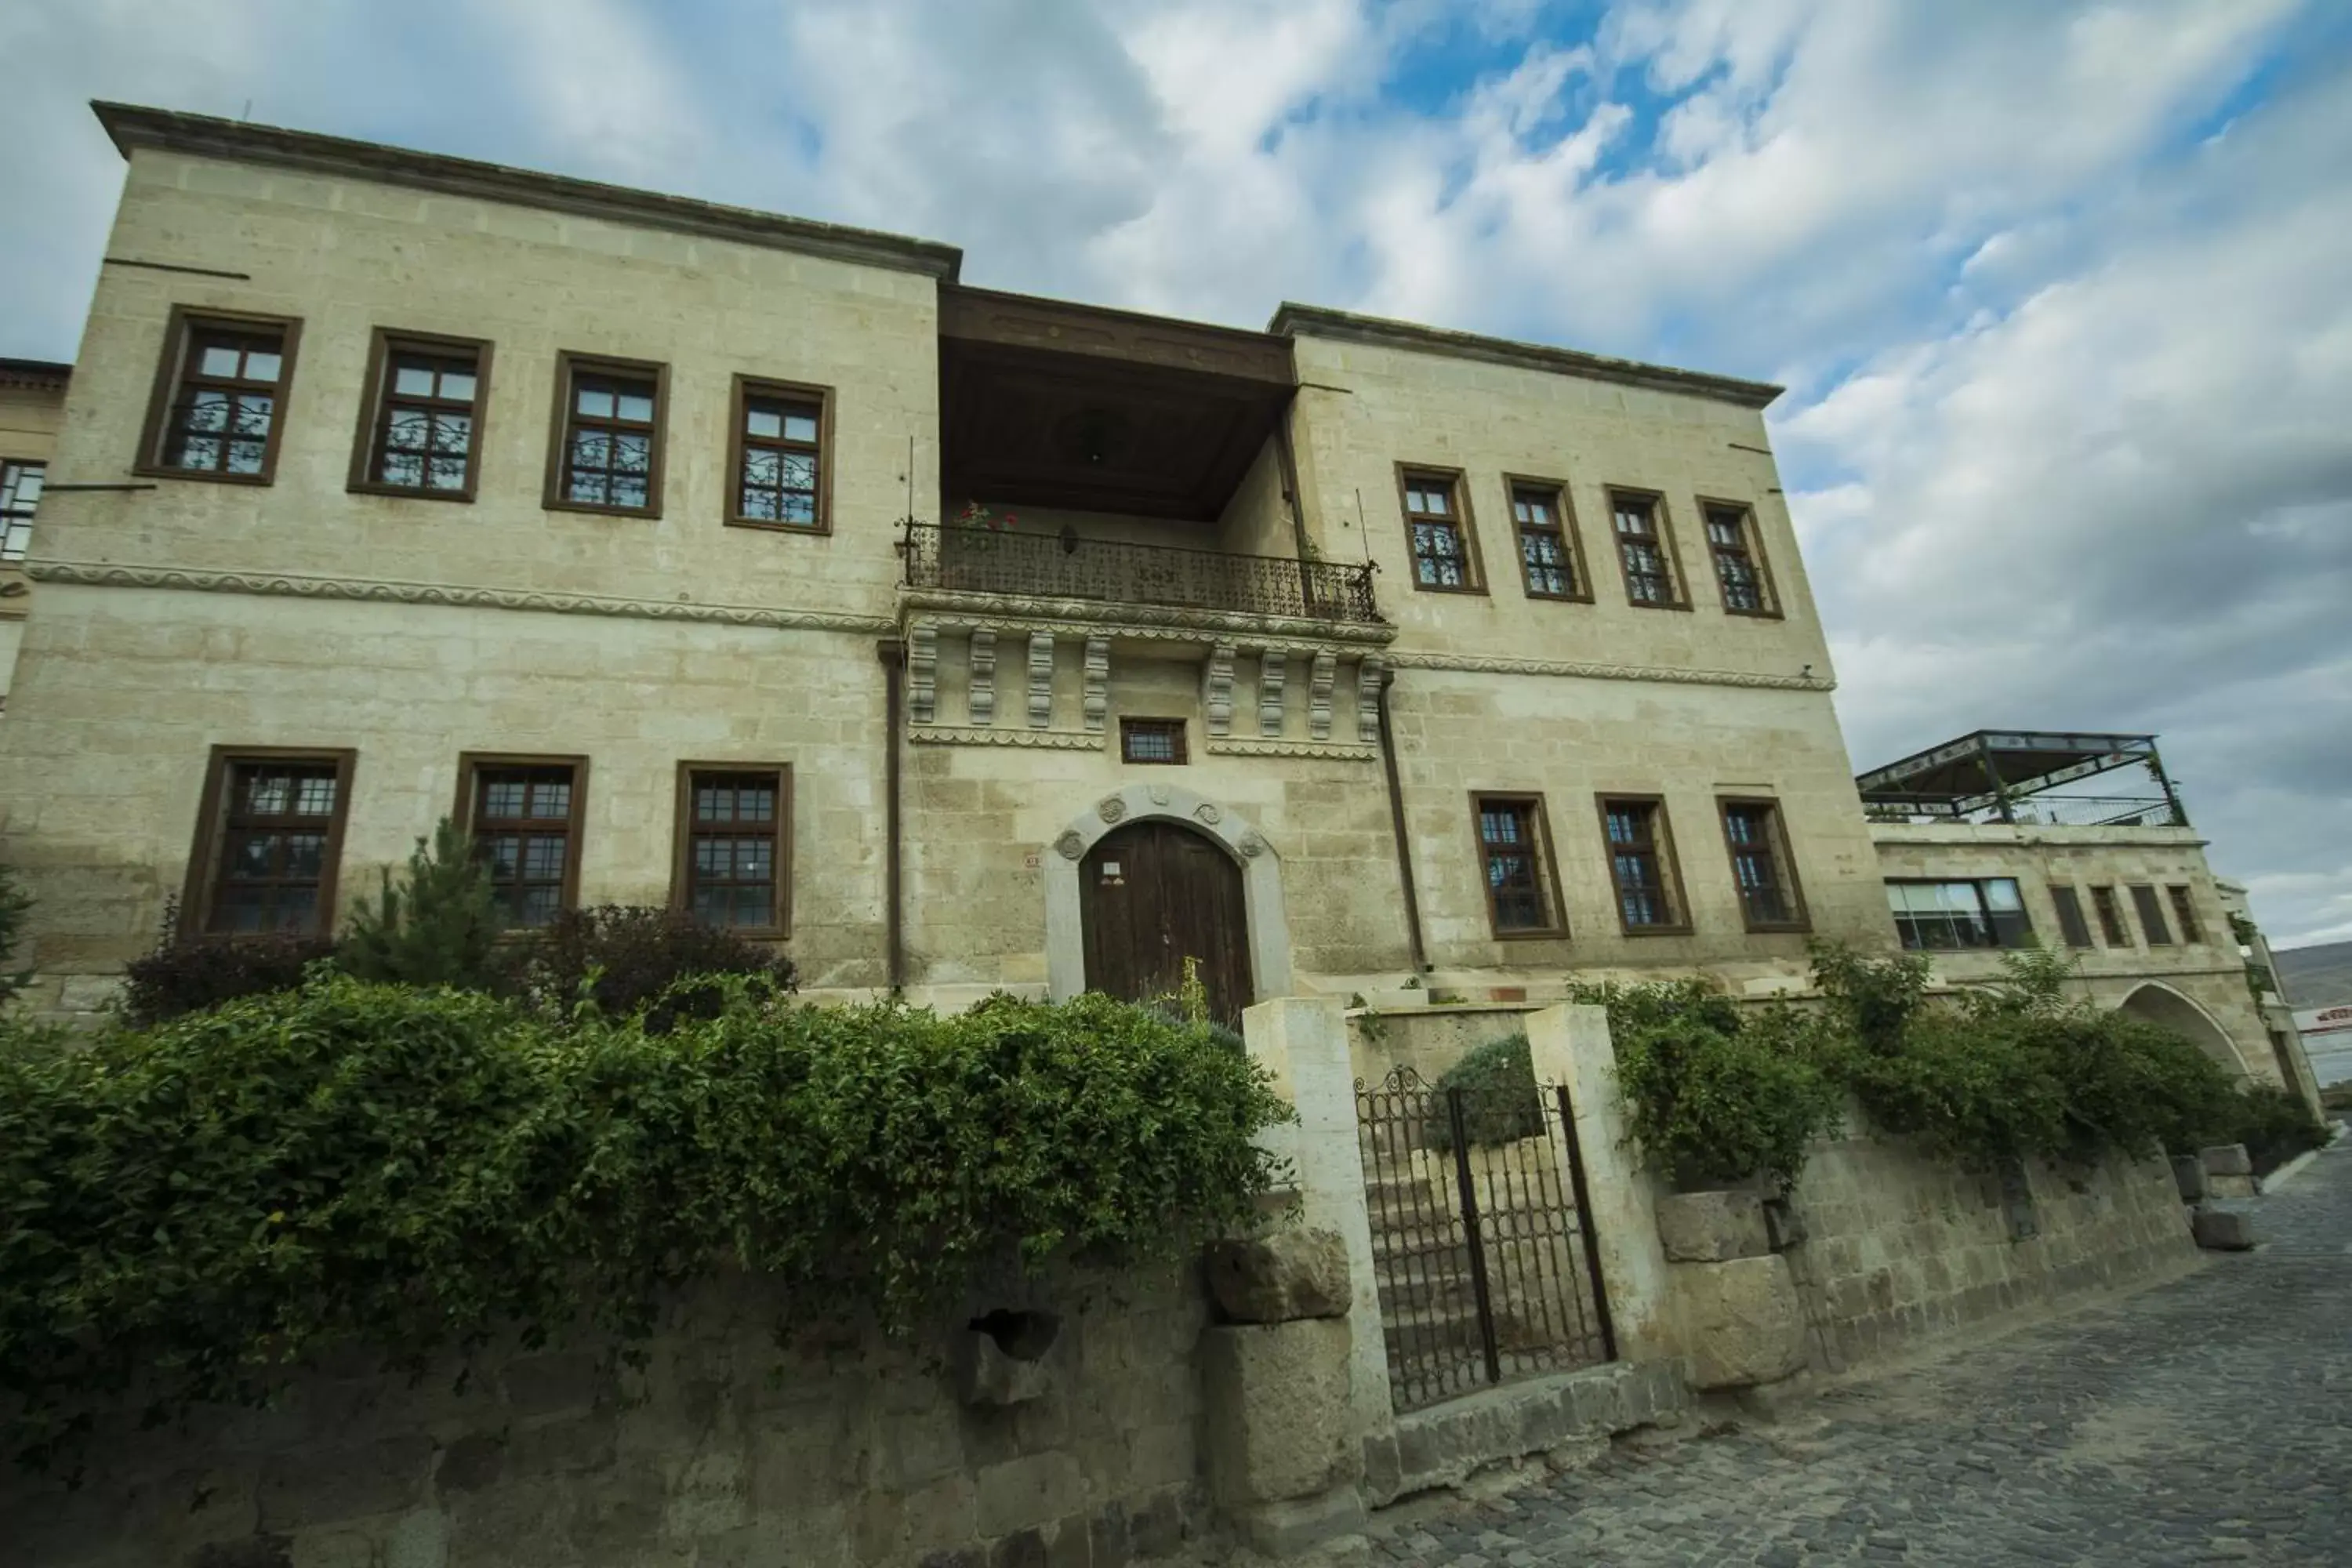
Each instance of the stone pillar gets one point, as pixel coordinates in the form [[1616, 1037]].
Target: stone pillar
[[982, 704], [1570, 1045]]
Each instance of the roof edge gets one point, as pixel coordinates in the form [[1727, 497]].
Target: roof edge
[[133, 126], [1293, 320], [35, 373]]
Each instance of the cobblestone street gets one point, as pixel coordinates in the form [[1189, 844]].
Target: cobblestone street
[[2206, 1421]]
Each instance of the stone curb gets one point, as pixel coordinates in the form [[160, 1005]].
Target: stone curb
[[2278, 1178]]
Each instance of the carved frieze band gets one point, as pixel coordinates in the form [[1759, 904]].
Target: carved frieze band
[[994, 735], [1273, 669], [1096, 702], [1082, 618], [1584, 671], [922, 673], [1246, 746], [981, 701], [283, 585], [1041, 680], [1368, 702], [1217, 690], [1318, 696]]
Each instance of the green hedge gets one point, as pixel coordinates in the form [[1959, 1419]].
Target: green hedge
[[1500, 1102], [191, 1210]]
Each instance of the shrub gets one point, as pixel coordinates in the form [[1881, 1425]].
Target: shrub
[[186, 973], [1716, 1098], [1500, 1101], [626, 957], [2273, 1124], [439, 927], [417, 1169]]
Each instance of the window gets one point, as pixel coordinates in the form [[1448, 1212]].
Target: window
[[20, 496], [1940, 916], [1441, 548], [1738, 562], [215, 414], [2111, 917], [734, 845], [2151, 915], [2184, 914], [1547, 558], [608, 437], [1641, 550], [1514, 846], [270, 838], [1151, 739], [1640, 863], [781, 458], [2071, 924], [1761, 866], [420, 422], [524, 815]]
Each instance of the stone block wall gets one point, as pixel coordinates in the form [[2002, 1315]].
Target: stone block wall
[[1900, 1248], [723, 1449]]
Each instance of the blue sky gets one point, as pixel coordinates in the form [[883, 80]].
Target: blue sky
[[2062, 294]]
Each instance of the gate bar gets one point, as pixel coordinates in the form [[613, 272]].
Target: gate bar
[[1470, 1228], [1584, 1222]]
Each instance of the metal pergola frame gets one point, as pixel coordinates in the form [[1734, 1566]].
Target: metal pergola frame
[[1993, 770]]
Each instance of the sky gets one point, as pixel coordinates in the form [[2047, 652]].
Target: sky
[[2061, 293]]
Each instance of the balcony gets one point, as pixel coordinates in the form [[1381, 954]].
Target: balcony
[[1042, 566]]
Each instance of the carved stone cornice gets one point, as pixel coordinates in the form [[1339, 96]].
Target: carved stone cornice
[[1583, 670], [1245, 746], [1081, 618], [299, 585], [992, 735]]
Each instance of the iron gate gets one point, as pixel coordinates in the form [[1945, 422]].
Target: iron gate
[[1482, 1236]]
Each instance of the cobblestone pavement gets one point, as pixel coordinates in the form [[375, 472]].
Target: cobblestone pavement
[[2209, 1420]]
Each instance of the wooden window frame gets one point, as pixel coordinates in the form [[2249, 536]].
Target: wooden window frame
[[1547, 884], [2184, 913], [2109, 915], [681, 886], [202, 878], [739, 439], [1984, 910], [1661, 528], [182, 322], [1177, 727], [1751, 540], [2148, 905], [570, 363], [375, 397], [2067, 901], [1670, 863], [1571, 542], [470, 763], [1784, 862], [1473, 564]]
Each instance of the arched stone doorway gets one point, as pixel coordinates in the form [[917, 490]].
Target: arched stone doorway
[[1154, 894], [2162, 1004], [1265, 920]]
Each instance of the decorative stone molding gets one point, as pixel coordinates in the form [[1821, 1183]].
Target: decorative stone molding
[[1217, 690], [1071, 846], [1318, 695], [1273, 669], [1588, 671], [1338, 750], [1159, 794], [1367, 701], [1110, 809], [1086, 617], [982, 700], [1208, 812], [1041, 680], [996, 735], [287, 585], [1251, 846], [1097, 701], [922, 673]]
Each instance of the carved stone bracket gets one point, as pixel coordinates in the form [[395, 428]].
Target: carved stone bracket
[[984, 678], [1217, 690], [1318, 695], [1368, 702], [1041, 680], [1272, 669], [1097, 702], [922, 672]]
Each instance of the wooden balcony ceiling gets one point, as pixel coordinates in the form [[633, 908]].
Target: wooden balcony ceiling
[[1045, 404]]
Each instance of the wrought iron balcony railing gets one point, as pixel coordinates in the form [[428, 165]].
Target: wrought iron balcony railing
[[1041, 566], [2048, 810]]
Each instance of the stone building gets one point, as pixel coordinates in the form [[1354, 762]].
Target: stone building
[[959, 639], [32, 403]]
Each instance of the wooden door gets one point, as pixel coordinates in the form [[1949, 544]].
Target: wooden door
[[1152, 894]]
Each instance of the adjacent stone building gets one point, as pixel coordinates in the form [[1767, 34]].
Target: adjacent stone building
[[32, 405]]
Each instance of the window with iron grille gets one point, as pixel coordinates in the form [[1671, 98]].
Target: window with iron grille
[[524, 815], [269, 842], [20, 496], [735, 844], [1641, 864], [420, 425], [1761, 866], [1738, 562], [1151, 741], [2184, 914], [216, 410], [2111, 917], [2151, 915], [1642, 551], [1441, 550], [2071, 924], [1546, 561], [1936, 917], [780, 457], [1515, 849], [608, 437]]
